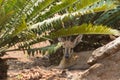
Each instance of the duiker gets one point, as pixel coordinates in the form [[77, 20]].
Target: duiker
[[71, 59]]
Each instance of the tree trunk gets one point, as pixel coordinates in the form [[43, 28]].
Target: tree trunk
[[3, 69], [105, 51]]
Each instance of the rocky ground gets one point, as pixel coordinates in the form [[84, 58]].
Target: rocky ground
[[36, 68], [26, 67]]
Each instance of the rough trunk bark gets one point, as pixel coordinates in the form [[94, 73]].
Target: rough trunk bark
[[105, 51], [3, 69]]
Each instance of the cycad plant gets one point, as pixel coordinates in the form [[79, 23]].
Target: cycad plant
[[32, 21]]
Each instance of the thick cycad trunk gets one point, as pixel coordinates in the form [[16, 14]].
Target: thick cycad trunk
[[3, 69], [105, 51]]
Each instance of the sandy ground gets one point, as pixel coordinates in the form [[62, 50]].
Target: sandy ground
[[36, 68], [25, 67]]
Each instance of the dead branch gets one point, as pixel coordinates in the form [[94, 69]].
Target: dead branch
[[105, 51]]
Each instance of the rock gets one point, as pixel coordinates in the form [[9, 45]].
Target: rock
[[107, 69]]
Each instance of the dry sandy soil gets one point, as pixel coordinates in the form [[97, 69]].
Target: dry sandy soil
[[36, 68]]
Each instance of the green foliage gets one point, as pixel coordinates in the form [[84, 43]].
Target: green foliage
[[58, 21], [109, 17], [31, 21], [84, 29], [48, 49]]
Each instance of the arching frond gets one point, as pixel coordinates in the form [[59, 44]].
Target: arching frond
[[58, 7], [48, 49], [29, 21], [39, 7], [57, 22], [109, 17], [74, 30], [84, 29]]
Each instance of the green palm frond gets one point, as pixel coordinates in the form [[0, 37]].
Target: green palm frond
[[5, 18], [57, 22], [107, 17], [48, 49], [84, 29], [74, 30], [6, 38], [1, 2], [30, 21], [58, 7], [81, 4], [38, 8], [46, 9]]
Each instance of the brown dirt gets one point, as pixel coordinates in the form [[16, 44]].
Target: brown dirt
[[106, 69], [25, 67], [36, 68]]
